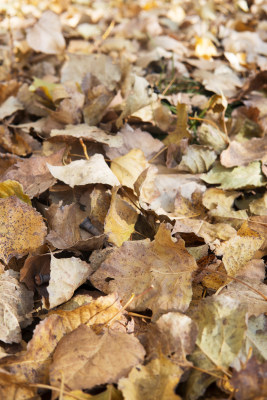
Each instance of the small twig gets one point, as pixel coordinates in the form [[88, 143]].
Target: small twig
[[169, 85], [41, 386], [157, 154], [108, 30], [84, 149]]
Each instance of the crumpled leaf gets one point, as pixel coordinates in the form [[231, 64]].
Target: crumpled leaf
[[246, 177], [250, 382], [208, 135], [162, 269], [154, 381], [13, 188], [240, 249], [34, 363], [45, 36], [86, 132], [83, 172], [140, 95], [243, 153], [120, 219], [66, 275], [113, 353], [127, 168], [259, 206], [197, 159], [181, 129], [16, 304], [22, 228]]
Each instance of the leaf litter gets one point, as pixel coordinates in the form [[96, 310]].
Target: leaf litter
[[133, 200]]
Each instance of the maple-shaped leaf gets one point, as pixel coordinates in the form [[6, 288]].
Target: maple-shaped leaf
[[83, 172], [34, 364], [159, 271], [120, 219], [22, 228], [16, 304], [156, 380], [107, 356]]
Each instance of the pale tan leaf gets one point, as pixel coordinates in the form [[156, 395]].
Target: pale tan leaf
[[16, 304], [66, 275], [108, 356], [83, 172], [154, 381], [46, 36], [162, 269]]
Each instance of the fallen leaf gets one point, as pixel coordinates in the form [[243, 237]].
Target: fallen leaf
[[155, 268], [33, 173], [83, 172], [85, 132], [181, 130], [197, 159], [250, 382], [66, 275], [34, 364], [243, 153], [9, 107], [221, 328], [127, 168], [13, 387], [22, 229], [154, 381], [209, 135], [205, 48], [246, 177], [114, 353], [120, 220], [13, 188], [16, 305], [45, 36]]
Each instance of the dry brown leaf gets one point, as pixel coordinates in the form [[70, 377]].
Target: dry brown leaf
[[46, 36], [197, 159], [16, 304], [154, 381], [243, 153], [250, 382], [120, 220], [83, 172], [87, 132], [9, 107], [22, 229], [66, 275], [240, 249], [159, 271], [33, 173], [34, 364], [127, 168], [14, 387], [108, 356]]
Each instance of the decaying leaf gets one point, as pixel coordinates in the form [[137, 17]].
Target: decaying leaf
[[66, 275], [120, 219], [34, 364], [197, 159], [114, 353], [46, 36], [22, 229], [159, 271], [127, 168], [83, 172], [16, 304], [249, 176], [154, 381]]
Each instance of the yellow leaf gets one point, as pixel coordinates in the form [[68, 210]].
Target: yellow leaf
[[13, 188], [205, 48]]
